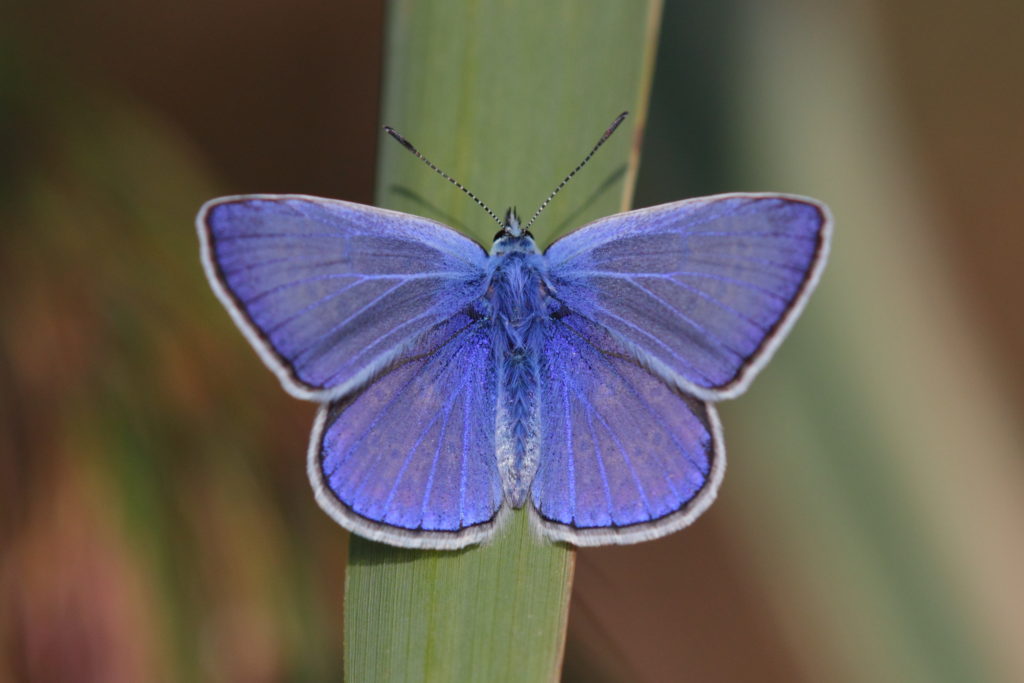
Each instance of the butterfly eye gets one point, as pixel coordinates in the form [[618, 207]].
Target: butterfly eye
[[556, 309], [498, 235]]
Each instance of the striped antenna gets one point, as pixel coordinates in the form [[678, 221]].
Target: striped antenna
[[408, 145], [607, 134]]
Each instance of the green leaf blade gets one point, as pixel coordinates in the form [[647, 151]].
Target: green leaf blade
[[506, 97]]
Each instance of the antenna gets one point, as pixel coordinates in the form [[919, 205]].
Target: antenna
[[607, 134], [408, 145]]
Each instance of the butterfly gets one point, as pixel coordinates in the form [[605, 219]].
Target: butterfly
[[459, 383]]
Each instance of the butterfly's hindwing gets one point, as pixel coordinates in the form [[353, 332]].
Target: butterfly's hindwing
[[409, 459], [626, 457]]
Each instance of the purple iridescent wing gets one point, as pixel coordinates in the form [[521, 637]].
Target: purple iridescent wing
[[626, 456], [328, 292], [703, 290], [409, 458]]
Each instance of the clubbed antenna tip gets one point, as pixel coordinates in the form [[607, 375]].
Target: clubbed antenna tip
[[408, 145], [405, 143]]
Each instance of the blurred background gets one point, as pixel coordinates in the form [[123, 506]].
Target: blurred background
[[155, 518]]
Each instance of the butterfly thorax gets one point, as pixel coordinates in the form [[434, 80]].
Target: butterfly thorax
[[518, 307]]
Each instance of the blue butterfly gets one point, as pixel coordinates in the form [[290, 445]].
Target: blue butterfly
[[458, 384]]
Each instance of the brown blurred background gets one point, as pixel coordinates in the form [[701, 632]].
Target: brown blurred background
[[156, 522]]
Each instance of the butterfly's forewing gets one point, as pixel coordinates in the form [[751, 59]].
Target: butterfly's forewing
[[626, 456], [328, 291], [409, 458], [702, 290]]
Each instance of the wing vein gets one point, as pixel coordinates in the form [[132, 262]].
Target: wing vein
[[387, 407], [661, 230], [312, 306], [463, 470], [570, 451], [453, 398], [402, 470], [316, 341], [696, 371], [426, 245], [721, 304], [626, 459], [650, 411], [599, 457], [733, 281], [690, 321]]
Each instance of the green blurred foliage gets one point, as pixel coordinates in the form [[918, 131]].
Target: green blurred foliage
[[152, 523]]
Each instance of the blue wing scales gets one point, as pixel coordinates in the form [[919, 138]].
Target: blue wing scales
[[625, 456], [372, 311], [701, 290], [409, 458], [329, 291]]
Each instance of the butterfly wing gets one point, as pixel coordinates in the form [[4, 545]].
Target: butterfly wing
[[327, 291], [626, 457], [409, 458], [702, 290]]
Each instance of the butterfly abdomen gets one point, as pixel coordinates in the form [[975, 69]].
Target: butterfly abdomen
[[517, 437], [518, 312]]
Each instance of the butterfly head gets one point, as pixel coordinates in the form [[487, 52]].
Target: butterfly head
[[512, 237], [511, 226]]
